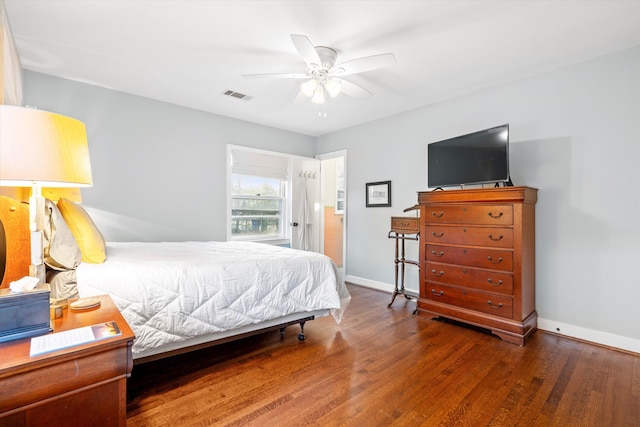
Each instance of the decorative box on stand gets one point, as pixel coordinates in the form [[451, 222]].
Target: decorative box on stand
[[24, 314]]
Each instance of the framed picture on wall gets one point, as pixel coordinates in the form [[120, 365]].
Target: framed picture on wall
[[378, 194]]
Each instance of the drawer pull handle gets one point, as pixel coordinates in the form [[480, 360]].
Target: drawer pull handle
[[494, 284], [495, 306], [495, 216], [437, 235], [406, 224], [496, 239], [437, 215], [442, 253], [438, 294], [437, 274], [495, 261]]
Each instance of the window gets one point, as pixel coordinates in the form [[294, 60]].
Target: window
[[257, 206], [258, 185]]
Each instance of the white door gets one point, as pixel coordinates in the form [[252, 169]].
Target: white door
[[305, 203]]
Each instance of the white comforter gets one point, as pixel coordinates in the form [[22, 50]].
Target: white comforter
[[171, 292]]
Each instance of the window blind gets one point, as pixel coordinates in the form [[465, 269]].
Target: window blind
[[259, 164]]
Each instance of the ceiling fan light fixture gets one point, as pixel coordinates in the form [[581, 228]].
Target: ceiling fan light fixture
[[318, 95], [333, 87], [309, 87], [324, 75]]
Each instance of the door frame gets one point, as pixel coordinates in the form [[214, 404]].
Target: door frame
[[327, 156]]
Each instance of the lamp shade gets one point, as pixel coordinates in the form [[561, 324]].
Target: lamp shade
[[23, 194], [43, 148]]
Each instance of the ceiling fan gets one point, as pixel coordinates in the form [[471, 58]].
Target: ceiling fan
[[323, 76]]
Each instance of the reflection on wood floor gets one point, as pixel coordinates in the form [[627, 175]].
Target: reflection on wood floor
[[383, 366]]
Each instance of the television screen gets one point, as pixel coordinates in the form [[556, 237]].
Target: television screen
[[475, 158]]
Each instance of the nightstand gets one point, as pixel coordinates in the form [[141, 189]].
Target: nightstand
[[84, 385]]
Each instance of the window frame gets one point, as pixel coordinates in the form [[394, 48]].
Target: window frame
[[284, 237]]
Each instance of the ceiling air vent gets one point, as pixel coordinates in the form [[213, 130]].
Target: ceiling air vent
[[236, 95]]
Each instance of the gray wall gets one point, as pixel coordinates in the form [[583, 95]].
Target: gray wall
[[159, 170], [159, 173], [575, 135]]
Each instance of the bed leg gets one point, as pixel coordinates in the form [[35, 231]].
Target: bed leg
[[301, 336], [282, 331]]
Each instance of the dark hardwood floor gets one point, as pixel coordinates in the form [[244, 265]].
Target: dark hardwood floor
[[383, 366]]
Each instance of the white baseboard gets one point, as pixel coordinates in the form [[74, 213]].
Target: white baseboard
[[379, 286], [591, 335], [571, 331]]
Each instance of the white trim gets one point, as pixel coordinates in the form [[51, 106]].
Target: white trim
[[372, 284], [378, 286], [559, 328], [327, 156], [591, 335], [286, 234]]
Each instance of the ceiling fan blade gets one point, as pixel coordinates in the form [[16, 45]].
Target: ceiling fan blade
[[276, 76], [367, 63], [306, 50], [300, 98], [353, 89]]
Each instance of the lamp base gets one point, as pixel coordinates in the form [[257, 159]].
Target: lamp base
[[37, 220], [38, 271]]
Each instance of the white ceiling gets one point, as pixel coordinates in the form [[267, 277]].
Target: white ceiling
[[189, 52]]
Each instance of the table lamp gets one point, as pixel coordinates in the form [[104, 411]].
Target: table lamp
[[41, 149]]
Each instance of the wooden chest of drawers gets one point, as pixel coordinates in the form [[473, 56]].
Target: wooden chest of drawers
[[477, 258]]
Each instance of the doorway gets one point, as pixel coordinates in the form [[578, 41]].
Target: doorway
[[333, 209]]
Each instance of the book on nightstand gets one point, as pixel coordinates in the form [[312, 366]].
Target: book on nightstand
[[59, 340], [105, 330]]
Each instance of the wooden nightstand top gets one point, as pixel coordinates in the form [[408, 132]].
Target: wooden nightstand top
[[79, 385], [16, 353]]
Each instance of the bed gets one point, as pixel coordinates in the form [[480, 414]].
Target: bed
[[181, 296]]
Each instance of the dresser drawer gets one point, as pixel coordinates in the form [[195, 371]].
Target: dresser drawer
[[469, 214], [474, 300], [406, 225], [495, 259], [487, 280], [498, 237]]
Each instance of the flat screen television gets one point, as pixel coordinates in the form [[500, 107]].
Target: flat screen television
[[476, 158]]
